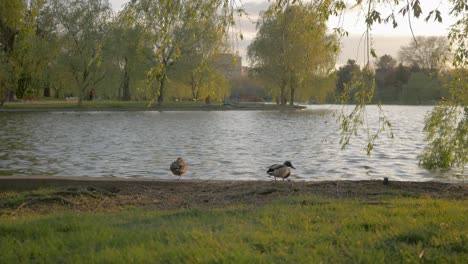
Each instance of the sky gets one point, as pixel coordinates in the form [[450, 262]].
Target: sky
[[385, 39]]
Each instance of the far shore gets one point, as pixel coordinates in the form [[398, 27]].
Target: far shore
[[65, 106]]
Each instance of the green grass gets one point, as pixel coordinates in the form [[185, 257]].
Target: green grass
[[135, 105], [300, 229], [15, 199]]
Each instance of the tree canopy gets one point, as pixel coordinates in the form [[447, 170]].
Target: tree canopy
[[292, 52], [428, 53], [173, 28]]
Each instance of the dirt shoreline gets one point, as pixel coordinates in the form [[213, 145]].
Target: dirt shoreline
[[91, 194]]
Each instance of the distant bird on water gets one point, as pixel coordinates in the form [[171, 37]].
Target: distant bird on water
[[178, 167], [280, 170]]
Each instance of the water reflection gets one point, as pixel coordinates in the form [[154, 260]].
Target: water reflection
[[219, 145]]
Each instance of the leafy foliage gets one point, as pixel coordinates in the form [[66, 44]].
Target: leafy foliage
[[71, 47], [83, 25], [447, 128], [345, 74], [171, 27], [292, 52], [360, 89], [21, 51], [422, 89], [202, 62]]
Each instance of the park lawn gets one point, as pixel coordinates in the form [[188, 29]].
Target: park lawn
[[304, 229], [86, 105]]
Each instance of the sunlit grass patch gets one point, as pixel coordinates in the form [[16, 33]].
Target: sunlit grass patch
[[298, 229], [52, 199], [14, 199]]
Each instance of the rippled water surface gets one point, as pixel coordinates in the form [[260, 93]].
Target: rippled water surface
[[215, 144]]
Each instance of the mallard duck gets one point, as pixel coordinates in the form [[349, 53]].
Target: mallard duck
[[178, 167], [280, 170]]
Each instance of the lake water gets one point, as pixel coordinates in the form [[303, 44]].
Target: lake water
[[215, 144]]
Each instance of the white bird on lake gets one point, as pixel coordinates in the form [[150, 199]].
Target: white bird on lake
[[178, 167], [280, 170]]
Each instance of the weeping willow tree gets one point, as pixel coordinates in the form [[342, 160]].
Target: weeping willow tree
[[196, 70], [447, 124], [292, 51], [23, 51], [447, 127], [11, 15], [82, 26], [165, 22]]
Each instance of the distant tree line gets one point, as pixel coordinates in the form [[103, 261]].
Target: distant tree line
[[157, 50], [151, 50], [420, 76]]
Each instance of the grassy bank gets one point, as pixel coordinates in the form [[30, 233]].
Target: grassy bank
[[96, 220], [47, 105], [305, 229]]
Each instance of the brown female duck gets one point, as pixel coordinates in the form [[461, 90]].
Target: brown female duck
[[178, 167]]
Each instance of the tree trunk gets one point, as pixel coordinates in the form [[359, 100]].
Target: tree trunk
[[3, 96], [126, 83], [56, 93], [84, 86], [10, 97], [9, 37], [47, 91], [283, 99], [292, 96], [161, 91], [23, 83], [80, 97], [193, 87]]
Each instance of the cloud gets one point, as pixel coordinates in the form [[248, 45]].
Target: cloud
[[255, 7], [350, 47], [353, 47], [247, 25], [118, 4]]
